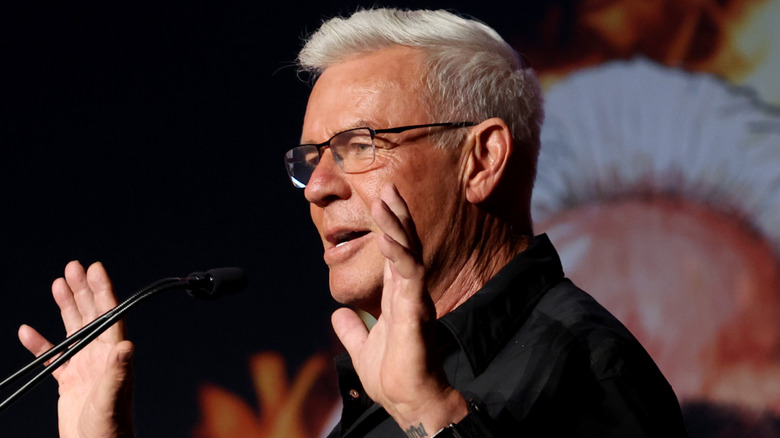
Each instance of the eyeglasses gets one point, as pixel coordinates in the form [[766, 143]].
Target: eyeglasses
[[354, 150]]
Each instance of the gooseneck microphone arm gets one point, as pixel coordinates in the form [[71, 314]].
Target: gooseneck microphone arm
[[206, 285]]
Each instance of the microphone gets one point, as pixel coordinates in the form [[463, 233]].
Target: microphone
[[205, 285], [215, 282]]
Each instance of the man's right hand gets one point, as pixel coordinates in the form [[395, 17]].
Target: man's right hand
[[95, 384]]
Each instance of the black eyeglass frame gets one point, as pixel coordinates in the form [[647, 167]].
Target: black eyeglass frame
[[289, 163]]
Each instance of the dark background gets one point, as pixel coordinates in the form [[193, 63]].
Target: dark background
[[150, 137]]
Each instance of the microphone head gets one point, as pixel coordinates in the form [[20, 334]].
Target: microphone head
[[216, 282]]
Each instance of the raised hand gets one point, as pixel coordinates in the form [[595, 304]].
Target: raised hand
[[396, 361], [95, 384]]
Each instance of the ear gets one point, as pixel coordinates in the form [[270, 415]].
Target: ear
[[487, 159]]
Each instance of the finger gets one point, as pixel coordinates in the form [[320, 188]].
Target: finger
[[85, 300], [391, 215], [389, 286], [36, 344], [394, 243], [118, 367], [403, 261], [101, 286], [388, 222], [104, 299], [404, 300], [398, 242], [63, 296], [350, 330], [390, 195], [33, 341]]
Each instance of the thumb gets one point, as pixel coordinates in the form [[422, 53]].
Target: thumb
[[111, 398], [350, 329]]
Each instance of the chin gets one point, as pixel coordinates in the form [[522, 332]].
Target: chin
[[356, 291], [357, 282]]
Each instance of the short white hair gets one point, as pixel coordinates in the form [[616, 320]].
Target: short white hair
[[472, 73]]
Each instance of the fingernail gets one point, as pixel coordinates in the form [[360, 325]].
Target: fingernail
[[125, 356]]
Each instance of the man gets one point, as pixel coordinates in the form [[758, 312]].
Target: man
[[418, 157]]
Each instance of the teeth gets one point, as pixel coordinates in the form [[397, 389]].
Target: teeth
[[349, 236]]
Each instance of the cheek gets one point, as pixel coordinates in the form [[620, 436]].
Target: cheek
[[426, 180], [425, 170], [367, 186], [432, 196]]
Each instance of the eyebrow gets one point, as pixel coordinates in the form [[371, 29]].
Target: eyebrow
[[360, 123]]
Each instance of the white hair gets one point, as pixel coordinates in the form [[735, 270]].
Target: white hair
[[472, 73]]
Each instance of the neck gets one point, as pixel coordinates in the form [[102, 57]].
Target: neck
[[495, 243]]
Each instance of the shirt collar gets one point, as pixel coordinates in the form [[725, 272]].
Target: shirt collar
[[484, 323]]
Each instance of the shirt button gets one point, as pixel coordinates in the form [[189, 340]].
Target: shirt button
[[353, 393]]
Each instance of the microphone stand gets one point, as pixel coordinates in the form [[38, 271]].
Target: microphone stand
[[199, 284]]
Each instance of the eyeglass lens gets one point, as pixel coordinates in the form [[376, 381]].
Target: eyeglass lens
[[352, 150]]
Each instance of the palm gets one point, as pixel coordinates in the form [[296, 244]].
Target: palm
[[77, 380], [394, 360], [94, 383]]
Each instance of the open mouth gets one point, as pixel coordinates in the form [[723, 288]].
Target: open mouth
[[342, 238]]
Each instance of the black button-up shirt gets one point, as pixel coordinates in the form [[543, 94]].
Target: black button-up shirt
[[542, 358]]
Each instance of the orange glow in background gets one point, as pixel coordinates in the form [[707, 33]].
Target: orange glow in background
[[697, 281]]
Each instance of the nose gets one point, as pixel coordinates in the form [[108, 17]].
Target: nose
[[327, 182]]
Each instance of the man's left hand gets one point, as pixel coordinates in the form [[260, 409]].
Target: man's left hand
[[396, 361]]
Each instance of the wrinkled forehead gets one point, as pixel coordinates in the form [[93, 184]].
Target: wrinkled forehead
[[378, 90]]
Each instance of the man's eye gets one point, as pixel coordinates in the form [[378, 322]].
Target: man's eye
[[359, 146], [312, 157]]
